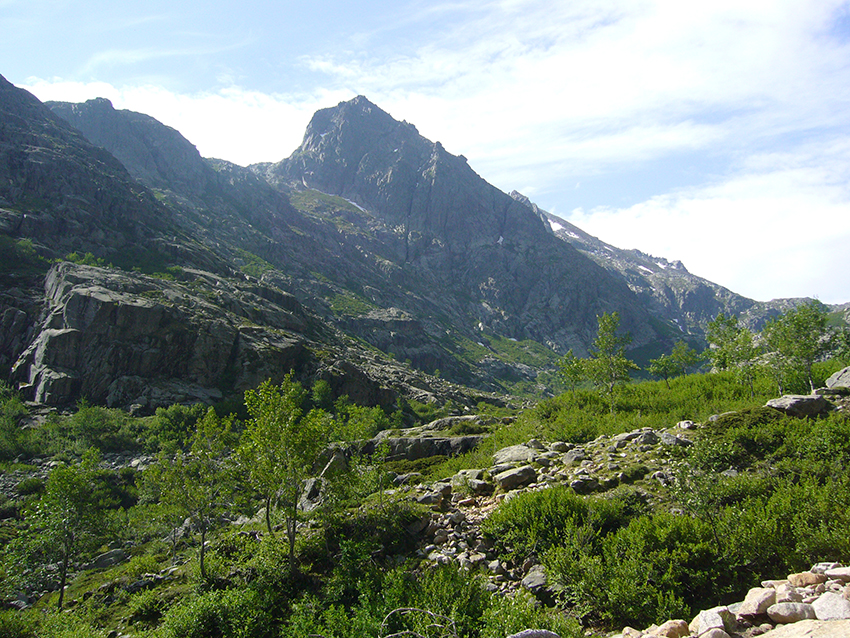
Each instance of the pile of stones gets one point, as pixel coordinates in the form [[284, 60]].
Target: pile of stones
[[815, 603]]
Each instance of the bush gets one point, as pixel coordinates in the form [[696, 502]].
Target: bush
[[534, 522], [233, 613]]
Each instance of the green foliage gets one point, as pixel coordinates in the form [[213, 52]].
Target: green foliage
[[20, 256], [87, 259], [233, 613], [65, 522], [798, 338], [679, 361], [253, 265], [733, 347], [281, 445], [197, 485], [535, 522], [350, 304], [170, 427], [572, 370], [608, 366]]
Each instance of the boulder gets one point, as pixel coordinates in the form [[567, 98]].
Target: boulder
[[515, 454], [757, 602], [672, 629], [800, 405], [806, 579], [832, 606], [812, 629], [107, 559], [714, 618], [840, 379], [790, 612], [512, 479], [839, 573]]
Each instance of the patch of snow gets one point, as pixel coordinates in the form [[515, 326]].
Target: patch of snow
[[358, 207], [573, 235], [555, 226], [661, 265], [511, 339], [651, 272]]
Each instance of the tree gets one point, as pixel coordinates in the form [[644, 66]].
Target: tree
[[608, 365], [799, 338], [198, 484], [675, 364], [733, 347], [280, 447], [572, 370], [68, 520]]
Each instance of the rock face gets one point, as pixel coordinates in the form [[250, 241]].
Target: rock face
[[121, 339], [58, 188], [490, 255]]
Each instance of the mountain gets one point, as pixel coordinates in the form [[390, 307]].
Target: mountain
[[665, 287], [371, 257]]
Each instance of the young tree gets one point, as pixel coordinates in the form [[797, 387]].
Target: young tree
[[675, 364], [608, 365], [280, 447], [733, 347], [68, 520], [799, 338], [572, 370], [198, 484]]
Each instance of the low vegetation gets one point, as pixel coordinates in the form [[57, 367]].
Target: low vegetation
[[212, 542]]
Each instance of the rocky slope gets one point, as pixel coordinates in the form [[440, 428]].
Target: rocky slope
[[666, 287]]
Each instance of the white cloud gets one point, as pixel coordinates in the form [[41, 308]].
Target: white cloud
[[234, 124], [778, 229]]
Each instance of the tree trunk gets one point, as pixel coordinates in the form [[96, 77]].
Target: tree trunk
[[63, 574], [203, 547], [269, 515]]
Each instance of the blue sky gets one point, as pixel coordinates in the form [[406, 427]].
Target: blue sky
[[714, 133]]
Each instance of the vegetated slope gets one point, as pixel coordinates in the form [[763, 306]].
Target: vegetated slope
[[667, 288]]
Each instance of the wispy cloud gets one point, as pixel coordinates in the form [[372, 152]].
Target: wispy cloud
[[541, 95]]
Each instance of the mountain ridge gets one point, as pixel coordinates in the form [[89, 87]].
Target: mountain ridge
[[379, 234]]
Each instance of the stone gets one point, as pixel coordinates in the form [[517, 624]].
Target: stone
[[812, 629], [800, 405], [584, 485], [806, 579], [790, 612], [832, 606], [840, 379], [515, 454], [512, 479], [647, 438], [839, 573], [672, 439], [560, 446], [787, 593], [714, 618], [672, 629], [576, 455], [822, 568], [715, 632], [107, 559], [534, 633], [757, 602]]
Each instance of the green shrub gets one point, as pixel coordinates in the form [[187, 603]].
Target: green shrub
[[28, 486], [233, 613]]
